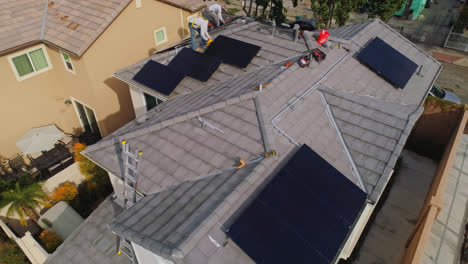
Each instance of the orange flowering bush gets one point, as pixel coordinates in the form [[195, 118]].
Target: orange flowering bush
[[50, 240], [89, 169], [65, 192]]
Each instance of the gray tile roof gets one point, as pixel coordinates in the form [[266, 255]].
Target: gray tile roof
[[374, 132], [70, 25], [92, 242], [184, 150], [274, 49], [189, 5], [324, 106], [160, 222]]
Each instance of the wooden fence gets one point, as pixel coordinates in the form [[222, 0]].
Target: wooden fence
[[434, 203]]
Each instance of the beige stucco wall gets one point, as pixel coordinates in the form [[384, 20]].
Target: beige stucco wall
[[39, 100]]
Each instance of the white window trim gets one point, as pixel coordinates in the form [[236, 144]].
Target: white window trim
[[78, 114], [138, 3], [65, 63], [26, 51], [165, 36]]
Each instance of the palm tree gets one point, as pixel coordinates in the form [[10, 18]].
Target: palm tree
[[24, 200]]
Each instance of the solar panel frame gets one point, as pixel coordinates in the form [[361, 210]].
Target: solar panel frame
[[303, 215], [386, 61], [233, 51], [195, 64], [158, 77]]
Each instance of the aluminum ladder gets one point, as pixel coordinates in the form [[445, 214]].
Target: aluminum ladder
[[130, 165]]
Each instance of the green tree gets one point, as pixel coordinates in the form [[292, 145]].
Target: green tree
[[14, 255], [384, 9], [24, 200], [326, 10]]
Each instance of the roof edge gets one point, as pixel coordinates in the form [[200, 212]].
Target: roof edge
[[185, 7]]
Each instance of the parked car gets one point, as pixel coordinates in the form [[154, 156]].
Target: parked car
[[304, 24], [438, 92]]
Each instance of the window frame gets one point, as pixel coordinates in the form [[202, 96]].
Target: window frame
[[165, 36], [74, 100], [65, 62], [26, 52]]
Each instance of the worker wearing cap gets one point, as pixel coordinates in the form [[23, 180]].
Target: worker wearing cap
[[215, 12], [200, 25]]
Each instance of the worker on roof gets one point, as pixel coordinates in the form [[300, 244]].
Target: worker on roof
[[214, 12], [200, 25]]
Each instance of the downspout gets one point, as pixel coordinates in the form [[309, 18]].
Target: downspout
[[44, 20]]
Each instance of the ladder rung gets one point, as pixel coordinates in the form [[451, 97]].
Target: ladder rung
[[130, 166]]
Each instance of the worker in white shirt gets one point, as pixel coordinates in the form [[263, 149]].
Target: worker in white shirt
[[214, 11], [200, 25]]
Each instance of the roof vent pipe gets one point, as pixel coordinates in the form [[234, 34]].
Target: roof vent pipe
[[296, 32]]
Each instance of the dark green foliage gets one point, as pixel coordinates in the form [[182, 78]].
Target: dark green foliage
[[462, 21], [325, 10], [89, 195], [14, 255], [384, 9], [277, 12]]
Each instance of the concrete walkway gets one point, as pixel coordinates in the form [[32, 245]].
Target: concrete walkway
[[387, 236], [444, 246]]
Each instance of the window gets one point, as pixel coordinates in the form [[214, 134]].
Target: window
[[151, 101], [30, 63], [67, 62], [88, 121], [160, 36]]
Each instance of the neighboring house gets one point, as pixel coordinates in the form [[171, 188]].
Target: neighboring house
[[57, 58], [337, 128]]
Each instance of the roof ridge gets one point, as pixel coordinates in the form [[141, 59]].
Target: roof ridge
[[233, 99], [44, 20], [171, 121], [378, 104]]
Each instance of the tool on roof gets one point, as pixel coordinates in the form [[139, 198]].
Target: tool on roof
[[241, 164], [209, 124], [271, 153], [261, 86], [318, 55], [304, 61], [130, 164]]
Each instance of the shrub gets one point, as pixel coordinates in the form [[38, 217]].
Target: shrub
[[462, 21], [64, 192], [233, 10], [14, 255], [50, 240], [89, 169]]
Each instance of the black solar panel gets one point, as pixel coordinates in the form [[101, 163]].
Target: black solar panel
[[303, 215], [395, 67], [232, 51], [158, 77], [195, 64]]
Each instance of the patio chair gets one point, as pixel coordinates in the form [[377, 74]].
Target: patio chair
[[17, 163]]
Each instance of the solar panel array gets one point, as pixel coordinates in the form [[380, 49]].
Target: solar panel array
[[303, 215], [233, 51], [195, 64], [159, 77], [393, 66], [200, 66]]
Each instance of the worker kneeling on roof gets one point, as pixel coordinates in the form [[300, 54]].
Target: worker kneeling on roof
[[200, 25], [214, 13]]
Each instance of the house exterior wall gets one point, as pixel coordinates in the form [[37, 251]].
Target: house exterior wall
[[40, 100], [145, 256]]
